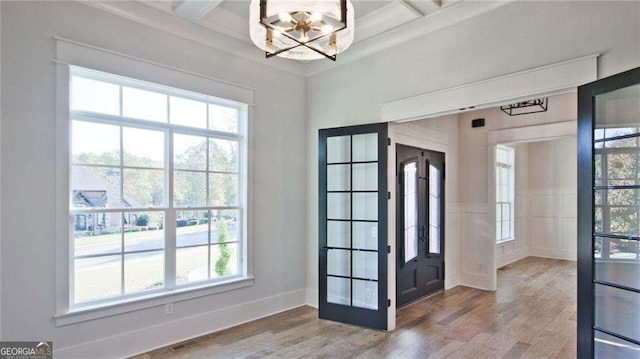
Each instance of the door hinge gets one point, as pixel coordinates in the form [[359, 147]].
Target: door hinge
[[388, 249], [388, 303], [388, 195], [388, 141]]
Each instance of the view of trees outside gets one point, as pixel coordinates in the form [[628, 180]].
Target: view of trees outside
[[617, 210], [204, 251]]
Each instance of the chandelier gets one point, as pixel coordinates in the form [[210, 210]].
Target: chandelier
[[301, 29]]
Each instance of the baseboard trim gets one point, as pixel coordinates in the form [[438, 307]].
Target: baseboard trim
[[553, 253], [312, 297], [158, 336]]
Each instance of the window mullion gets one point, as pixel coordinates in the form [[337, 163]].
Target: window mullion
[[170, 217]]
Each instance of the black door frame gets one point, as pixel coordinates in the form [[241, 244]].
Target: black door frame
[[586, 287], [376, 319]]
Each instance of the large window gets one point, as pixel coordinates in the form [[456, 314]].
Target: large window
[[157, 188], [504, 193]]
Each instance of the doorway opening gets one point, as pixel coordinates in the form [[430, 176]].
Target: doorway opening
[[419, 223]]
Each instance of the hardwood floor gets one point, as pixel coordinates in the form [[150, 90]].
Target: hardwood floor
[[532, 315]]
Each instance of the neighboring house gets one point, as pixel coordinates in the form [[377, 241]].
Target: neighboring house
[[92, 191]]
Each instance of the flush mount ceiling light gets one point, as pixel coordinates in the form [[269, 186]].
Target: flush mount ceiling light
[[301, 29], [526, 107]]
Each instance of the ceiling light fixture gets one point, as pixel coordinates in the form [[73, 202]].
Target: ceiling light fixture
[[301, 29], [526, 107]]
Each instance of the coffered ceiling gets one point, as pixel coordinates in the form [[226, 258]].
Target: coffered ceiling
[[379, 24]]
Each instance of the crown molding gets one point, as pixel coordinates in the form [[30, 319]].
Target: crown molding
[[160, 20]]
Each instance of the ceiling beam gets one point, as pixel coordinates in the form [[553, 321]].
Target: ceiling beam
[[194, 10]]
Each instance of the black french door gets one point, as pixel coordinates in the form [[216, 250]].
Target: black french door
[[419, 223], [353, 225], [609, 217]]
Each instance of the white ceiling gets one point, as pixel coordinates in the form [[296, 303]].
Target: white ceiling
[[386, 23]]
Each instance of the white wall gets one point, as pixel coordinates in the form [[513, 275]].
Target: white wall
[[553, 199], [28, 182], [515, 37]]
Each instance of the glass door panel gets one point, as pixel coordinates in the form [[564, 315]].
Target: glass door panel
[[353, 200], [609, 217]]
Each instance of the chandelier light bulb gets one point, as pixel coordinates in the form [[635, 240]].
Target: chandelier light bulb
[[327, 29], [284, 17], [316, 17]]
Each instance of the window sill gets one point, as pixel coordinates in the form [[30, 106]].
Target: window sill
[[83, 314], [505, 241]]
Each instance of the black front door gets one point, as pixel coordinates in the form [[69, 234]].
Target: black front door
[[419, 223]]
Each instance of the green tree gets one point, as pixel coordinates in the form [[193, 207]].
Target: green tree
[[225, 253]]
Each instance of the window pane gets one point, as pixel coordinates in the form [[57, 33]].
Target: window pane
[[189, 152], [365, 147], [338, 177], [143, 231], [621, 165], [95, 143], [91, 235], [617, 310], [224, 226], [145, 105], [338, 206], [339, 262], [143, 271], [192, 264], [223, 155], [222, 118], [224, 260], [365, 235], [189, 189], [338, 149], [365, 177], [192, 228], [143, 148], [94, 96], [187, 112], [143, 188], [95, 187], [365, 206], [365, 294], [339, 290], [223, 189], [96, 278], [365, 265], [339, 234]]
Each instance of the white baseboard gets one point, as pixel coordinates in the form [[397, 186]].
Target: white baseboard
[[554, 253], [158, 336], [451, 280], [312, 297], [478, 281], [511, 257]]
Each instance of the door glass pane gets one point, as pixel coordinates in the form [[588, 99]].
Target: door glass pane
[[365, 177], [410, 211], [365, 206], [339, 262], [338, 206], [339, 290], [616, 310], [338, 177], [338, 234], [365, 265], [365, 147], [338, 149], [434, 209], [365, 235], [365, 294], [617, 261], [608, 346]]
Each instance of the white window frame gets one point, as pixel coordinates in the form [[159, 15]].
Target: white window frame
[[510, 201], [70, 54]]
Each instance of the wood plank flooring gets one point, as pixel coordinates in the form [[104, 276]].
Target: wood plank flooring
[[532, 315]]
